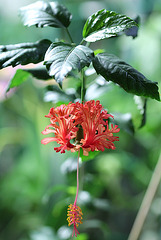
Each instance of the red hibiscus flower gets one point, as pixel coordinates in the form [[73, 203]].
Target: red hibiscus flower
[[75, 126], [81, 125]]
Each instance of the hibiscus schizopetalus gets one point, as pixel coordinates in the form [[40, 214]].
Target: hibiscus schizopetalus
[[80, 126]]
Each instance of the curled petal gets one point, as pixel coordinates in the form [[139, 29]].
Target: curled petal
[[47, 140], [48, 130], [114, 129]]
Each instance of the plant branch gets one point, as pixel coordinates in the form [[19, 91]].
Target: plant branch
[[88, 44], [70, 37], [146, 203], [83, 87], [81, 42]]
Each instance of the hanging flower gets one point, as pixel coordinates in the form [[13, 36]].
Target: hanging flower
[[80, 125], [75, 126]]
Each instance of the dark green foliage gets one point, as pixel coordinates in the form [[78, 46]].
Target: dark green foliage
[[61, 58], [39, 73], [105, 24], [114, 69], [23, 53], [42, 14]]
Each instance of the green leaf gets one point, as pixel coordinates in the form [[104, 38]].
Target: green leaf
[[114, 69], [19, 77], [43, 14], [23, 53], [105, 24], [61, 58], [90, 156], [39, 73], [133, 31]]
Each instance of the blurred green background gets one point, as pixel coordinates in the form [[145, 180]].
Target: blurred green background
[[37, 184]]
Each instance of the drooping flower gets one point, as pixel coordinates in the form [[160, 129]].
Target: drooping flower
[[75, 126], [81, 125]]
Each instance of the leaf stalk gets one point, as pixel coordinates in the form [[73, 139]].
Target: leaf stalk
[[70, 37], [83, 88]]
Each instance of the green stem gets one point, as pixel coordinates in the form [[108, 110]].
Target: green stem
[[69, 35], [81, 42], [88, 44], [83, 88]]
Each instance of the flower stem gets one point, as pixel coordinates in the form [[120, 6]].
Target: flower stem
[[83, 88], [146, 203], [77, 178]]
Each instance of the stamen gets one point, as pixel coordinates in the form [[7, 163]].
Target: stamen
[[74, 217], [74, 212]]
